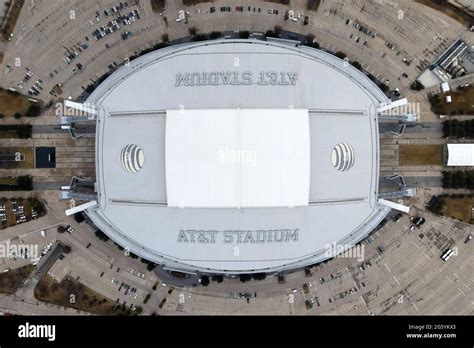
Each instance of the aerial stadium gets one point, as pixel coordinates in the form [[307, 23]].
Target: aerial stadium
[[237, 156]]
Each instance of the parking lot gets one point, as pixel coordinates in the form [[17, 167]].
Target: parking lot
[[57, 47], [76, 44]]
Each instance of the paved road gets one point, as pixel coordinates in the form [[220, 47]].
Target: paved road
[[50, 185], [426, 127], [51, 129], [384, 127], [413, 181]]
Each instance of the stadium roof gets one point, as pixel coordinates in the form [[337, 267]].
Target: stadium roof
[[460, 155], [310, 119], [236, 158]]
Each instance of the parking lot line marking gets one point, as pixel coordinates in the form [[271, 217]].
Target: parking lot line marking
[[462, 293], [426, 256], [452, 282], [396, 280], [467, 287], [385, 265], [416, 246], [414, 305]]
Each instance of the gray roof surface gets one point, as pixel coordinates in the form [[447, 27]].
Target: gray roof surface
[[132, 208]]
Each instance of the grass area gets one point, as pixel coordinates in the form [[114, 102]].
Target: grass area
[[10, 21], [449, 10], [313, 5], [27, 158], [11, 280], [158, 5], [458, 208], [11, 103], [16, 131], [420, 155], [85, 299], [8, 181], [462, 102]]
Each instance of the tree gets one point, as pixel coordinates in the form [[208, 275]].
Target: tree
[[356, 65], [436, 104], [417, 85], [270, 33], [215, 35], [67, 249], [245, 277], [205, 280], [101, 235], [259, 276], [24, 131], [24, 183], [78, 217], [192, 31], [17, 115], [458, 179], [33, 110], [458, 129], [314, 44], [218, 278], [277, 30], [383, 87], [340, 55], [244, 34], [61, 229], [199, 37]]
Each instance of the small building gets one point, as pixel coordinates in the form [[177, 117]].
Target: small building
[[445, 87]]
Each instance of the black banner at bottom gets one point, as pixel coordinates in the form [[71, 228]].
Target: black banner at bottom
[[211, 330]]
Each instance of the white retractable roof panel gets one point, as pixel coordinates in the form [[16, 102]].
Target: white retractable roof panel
[[238, 158], [275, 157]]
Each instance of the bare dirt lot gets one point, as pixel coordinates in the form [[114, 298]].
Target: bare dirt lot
[[458, 208]]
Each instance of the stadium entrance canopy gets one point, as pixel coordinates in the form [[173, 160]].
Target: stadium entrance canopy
[[460, 155]]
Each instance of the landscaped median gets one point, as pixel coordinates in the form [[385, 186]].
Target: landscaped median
[[14, 104], [11, 280], [12, 16], [72, 294], [20, 183], [420, 155], [455, 206], [18, 131], [462, 102]]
